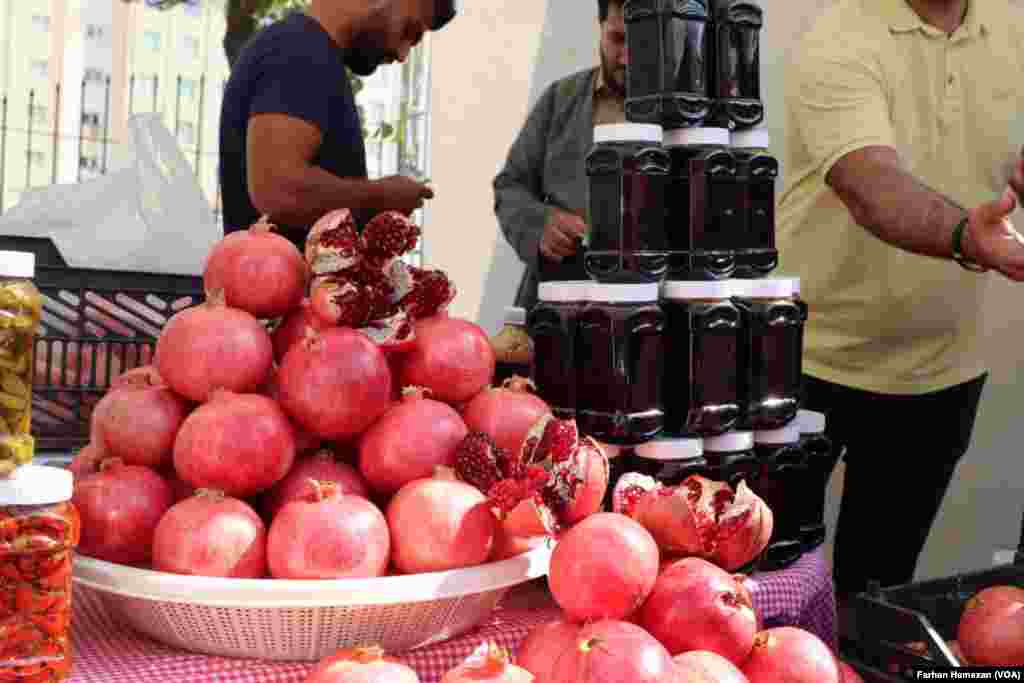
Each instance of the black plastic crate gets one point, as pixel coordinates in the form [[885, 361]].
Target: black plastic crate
[[890, 630], [95, 325]]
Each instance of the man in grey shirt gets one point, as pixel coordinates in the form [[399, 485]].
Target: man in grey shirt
[[540, 196]]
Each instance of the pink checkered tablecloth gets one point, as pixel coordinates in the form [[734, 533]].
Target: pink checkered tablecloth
[[105, 652]]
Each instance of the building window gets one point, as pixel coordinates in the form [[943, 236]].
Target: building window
[[95, 31], [40, 68], [41, 22], [190, 47], [40, 113], [188, 87], [187, 133], [92, 75], [151, 40]]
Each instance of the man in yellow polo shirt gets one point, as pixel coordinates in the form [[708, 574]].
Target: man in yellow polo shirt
[[904, 121]]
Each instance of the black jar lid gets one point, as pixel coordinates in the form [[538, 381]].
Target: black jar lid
[[646, 133], [694, 136]]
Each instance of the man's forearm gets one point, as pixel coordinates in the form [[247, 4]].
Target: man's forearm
[[304, 195], [898, 208]]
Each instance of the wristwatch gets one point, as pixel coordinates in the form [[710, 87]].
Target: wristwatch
[[958, 242]]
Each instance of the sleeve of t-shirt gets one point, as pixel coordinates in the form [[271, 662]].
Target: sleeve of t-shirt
[[838, 102], [292, 86]]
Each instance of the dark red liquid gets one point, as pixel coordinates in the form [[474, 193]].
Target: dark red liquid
[[700, 389], [756, 255], [731, 468], [619, 352], [779, 483], [821, 460], [553, 331], [771, 358], [627, 213], [737, 56], [693, 251]]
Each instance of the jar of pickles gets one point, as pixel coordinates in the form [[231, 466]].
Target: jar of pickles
[[20, 310], [39, 529]]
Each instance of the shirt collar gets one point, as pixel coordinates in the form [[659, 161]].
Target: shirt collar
[[599, 84], [902, 18]]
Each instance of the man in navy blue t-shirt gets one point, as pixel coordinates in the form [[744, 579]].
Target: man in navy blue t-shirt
[[291, 144]]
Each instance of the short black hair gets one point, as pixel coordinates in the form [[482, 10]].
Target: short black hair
[[603, 5], [444, 11]]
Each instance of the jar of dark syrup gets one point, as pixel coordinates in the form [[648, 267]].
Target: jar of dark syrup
[[780, 480], [756, 254], [771, 352], [627, 169], [669, 460], [669, 44], [619, 353], [701, 358], [730, 458], [552, 325], [736, 81], [700, 212], [821, 460]]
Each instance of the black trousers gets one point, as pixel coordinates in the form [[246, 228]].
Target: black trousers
[[901, 453]]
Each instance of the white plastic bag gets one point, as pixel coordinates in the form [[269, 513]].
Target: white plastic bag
[[150, 215]]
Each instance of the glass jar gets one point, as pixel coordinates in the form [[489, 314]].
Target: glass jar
[[821, 460], [669, 460], [700, 211], [619, 355], [771, 352], [701, 346], [736, 88], [627, 169], [730, 458], [669, 44], [20, 309], [756, 255], [552, 324], [780, 479], [513, 350], [39, 529]]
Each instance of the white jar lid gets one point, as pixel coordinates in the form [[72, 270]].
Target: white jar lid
[[20, 264], [777, 437], [764, 288], [688, 137], [569, 290], [623, 294], [671, 449], [610, 450], [810, 422], [712, 289], [515, 315], [751, 138], [628, 132], [796, 285], [36, 485], [730, 442]]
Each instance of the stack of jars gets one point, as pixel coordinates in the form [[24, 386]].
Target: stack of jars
[[681, 353]]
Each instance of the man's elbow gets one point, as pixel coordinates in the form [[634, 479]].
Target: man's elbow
[[277, 198]]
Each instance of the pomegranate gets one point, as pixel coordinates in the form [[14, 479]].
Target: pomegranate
[[87, 461], [429, 295], [361, 665], [241, 444], [180, 489], [292, 329], [612, 583], [339, 302], [144, 375], [701, 665], [409, 441], [210, 534], [544, 644], [848, 673], [438, 524], [508, 545], [212, 346], [506, 414], [451, 357], [335, 383], [328, 535], [323, 466], [389, 234], [261, 273], [614, 651], [699, 517], [333, 243], [698, 606], [120, 506], [792, 655], [991, 628], [304, 439], [488, 663], [139, 421]]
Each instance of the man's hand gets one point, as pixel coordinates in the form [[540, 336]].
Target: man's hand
[[562, 235], [991, 240], [402, 193]]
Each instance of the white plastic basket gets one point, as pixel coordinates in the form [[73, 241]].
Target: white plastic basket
[[305, 620]]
